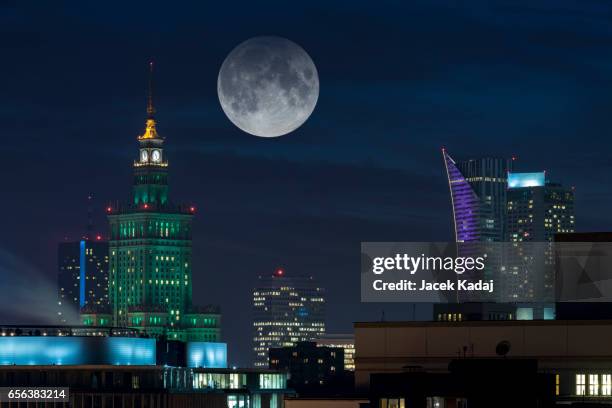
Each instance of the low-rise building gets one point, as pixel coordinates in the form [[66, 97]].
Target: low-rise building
[[120, 367], [344, 341], [576, 355], [312, 369], [151, 386]]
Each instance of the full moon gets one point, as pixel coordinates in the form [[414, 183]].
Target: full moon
[[268, 86]]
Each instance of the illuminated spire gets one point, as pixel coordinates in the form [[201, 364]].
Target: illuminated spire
[[150, 131]]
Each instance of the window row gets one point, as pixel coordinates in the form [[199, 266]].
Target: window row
[[594, 384]]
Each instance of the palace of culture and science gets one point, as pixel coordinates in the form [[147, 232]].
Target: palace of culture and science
[[150, 268]]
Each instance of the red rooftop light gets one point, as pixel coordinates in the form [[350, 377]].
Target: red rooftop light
[[280, 272], [146, 206], [99, 237], [192, 209], [109, 209]]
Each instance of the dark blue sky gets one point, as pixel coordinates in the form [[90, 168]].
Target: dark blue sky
[[398, 81]]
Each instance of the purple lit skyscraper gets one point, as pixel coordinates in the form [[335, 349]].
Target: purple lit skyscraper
[[478, 190], [478, 197]]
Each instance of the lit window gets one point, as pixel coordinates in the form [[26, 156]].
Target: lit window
[[593, 384], [606, 384], [135, 382], [557, 384], [392, 403], [580, 384]]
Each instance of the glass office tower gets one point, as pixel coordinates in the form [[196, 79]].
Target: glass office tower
[[286, 310]]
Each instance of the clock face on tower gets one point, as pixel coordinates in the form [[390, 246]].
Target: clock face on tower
[[156, 156], [144, 156]]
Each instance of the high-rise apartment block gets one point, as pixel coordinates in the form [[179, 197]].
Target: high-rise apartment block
[[537, 209], [82, 278]]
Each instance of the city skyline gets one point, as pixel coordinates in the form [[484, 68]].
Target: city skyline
[[71, 107]]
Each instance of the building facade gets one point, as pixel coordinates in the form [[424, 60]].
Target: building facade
[[150, 284], [82, 278], [108, 386], [310, 366], [537, 210], [344, 341], [469, 382], [575, 354], [286, 310], [460, 312], [119, 367], [478, 197]]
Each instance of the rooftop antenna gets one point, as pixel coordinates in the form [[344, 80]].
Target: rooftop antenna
[[150, 108], [150, 131], [90, 226]]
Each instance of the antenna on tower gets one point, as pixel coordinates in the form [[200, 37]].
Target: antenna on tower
[[150, 108], [150, 131], [90, 226]]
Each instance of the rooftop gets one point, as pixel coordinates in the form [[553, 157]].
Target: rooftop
[[484, 323]]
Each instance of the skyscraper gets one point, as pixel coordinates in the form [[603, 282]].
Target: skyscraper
[[82, 278], [286, 310], [537, 210], [478, 197], [150, 252]]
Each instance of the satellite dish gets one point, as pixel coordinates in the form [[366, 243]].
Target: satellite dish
[[502, 348]]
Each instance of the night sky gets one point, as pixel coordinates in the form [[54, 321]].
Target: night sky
[[399, 80]]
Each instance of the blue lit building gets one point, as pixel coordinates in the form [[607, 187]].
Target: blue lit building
[[206, 354], [82, 278], [73, 350], [108, 366], [78, 345], [526, 180]]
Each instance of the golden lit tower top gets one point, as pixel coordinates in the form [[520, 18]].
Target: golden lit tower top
[[150, 130]]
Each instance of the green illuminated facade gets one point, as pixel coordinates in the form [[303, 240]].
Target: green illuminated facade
[[150, 270]]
